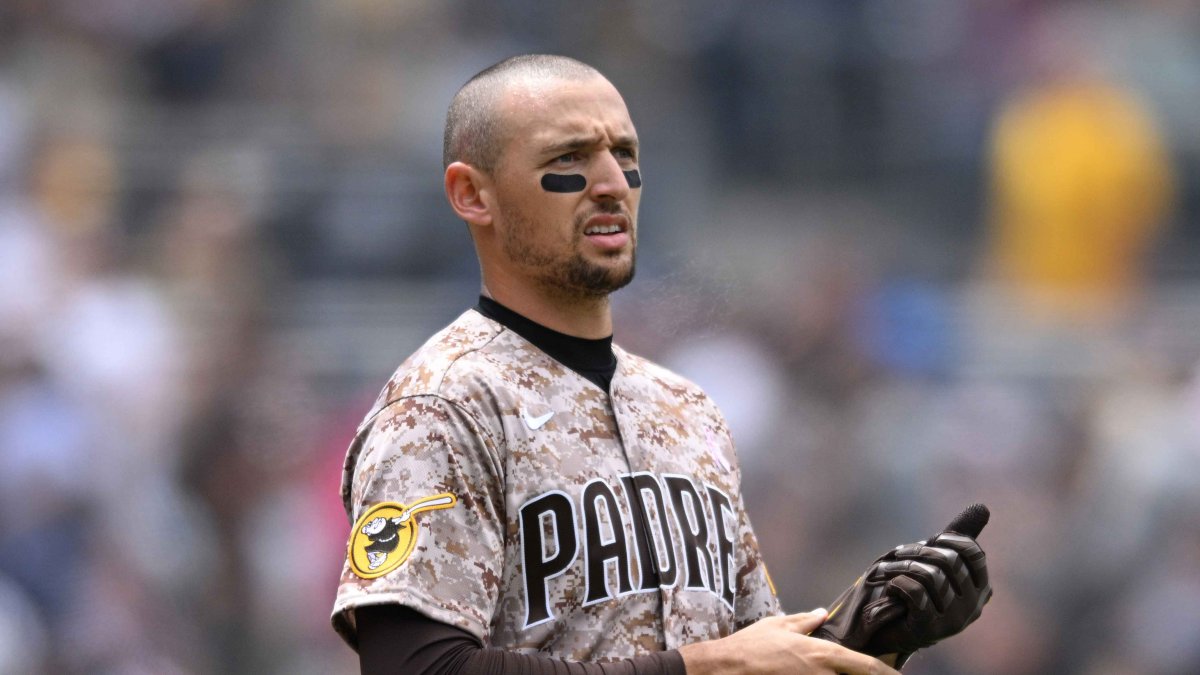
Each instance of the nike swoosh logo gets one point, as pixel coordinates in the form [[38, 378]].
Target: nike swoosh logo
[[536, 422]]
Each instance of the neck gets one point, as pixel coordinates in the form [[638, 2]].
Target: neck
[[585, 317]]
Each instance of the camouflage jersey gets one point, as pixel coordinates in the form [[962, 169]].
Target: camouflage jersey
[[494, 489]]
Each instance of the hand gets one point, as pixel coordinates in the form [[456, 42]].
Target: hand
[[942, 585], [779, 644], [917, 594]]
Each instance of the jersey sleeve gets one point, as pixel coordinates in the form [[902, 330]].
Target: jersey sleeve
[[755, 597], [426, 499]]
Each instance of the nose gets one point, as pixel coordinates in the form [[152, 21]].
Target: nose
[[608, 181]]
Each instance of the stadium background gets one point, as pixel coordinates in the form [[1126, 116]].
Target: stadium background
[[922, 253]]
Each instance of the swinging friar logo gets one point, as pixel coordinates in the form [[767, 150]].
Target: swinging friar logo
[[672, 532], [386, 534]]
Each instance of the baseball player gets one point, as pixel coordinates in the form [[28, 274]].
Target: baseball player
[[526, 495]]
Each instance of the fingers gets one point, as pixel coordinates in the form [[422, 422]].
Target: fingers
[[934, 582], [969, 551], [947, 559], [910, 592], [823, 656], [778, 645], [886, 609], [967, 547], [805, 622], [847, 662]]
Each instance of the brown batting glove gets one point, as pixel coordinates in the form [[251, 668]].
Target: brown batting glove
[[916, 594]]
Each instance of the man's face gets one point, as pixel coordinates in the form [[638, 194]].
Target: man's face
[[575, 232]]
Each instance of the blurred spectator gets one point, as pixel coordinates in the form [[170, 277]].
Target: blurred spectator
[[24, 643], [1081, 191]]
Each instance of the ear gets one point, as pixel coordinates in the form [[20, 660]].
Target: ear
[[468, 190]]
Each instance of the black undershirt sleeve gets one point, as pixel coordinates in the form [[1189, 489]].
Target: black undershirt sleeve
[[397, 640]]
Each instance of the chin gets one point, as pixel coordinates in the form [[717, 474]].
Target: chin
[[595, 279], [612, 279]]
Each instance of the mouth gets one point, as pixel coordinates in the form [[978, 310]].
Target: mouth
[[606, 224], [609, 233], [603, 229]]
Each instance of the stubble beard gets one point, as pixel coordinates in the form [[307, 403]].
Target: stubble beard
[[574, 275]]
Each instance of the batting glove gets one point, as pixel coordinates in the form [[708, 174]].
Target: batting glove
[[916, 594]]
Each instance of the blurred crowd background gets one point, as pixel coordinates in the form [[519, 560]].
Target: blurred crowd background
[[922, 252]]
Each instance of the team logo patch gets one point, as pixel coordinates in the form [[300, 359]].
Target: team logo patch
[[386, 534]]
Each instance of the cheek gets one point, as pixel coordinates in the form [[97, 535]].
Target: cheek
[[634, 200], [552, 214], [543, 219], [540, 226]]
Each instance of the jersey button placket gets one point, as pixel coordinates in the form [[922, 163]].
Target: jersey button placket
[[622, 415]]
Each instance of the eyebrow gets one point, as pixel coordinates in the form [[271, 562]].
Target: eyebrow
[[581, 142]]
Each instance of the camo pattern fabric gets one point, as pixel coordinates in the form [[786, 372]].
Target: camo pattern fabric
[[586, 527]]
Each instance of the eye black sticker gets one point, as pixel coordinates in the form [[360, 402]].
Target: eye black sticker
[[556, 182], [573, 182]]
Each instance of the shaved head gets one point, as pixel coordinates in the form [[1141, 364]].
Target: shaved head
[[475, 133]]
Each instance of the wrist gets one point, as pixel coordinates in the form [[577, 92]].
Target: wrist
[[704, 658]]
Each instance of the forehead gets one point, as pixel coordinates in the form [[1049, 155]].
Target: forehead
[[544, 112]]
